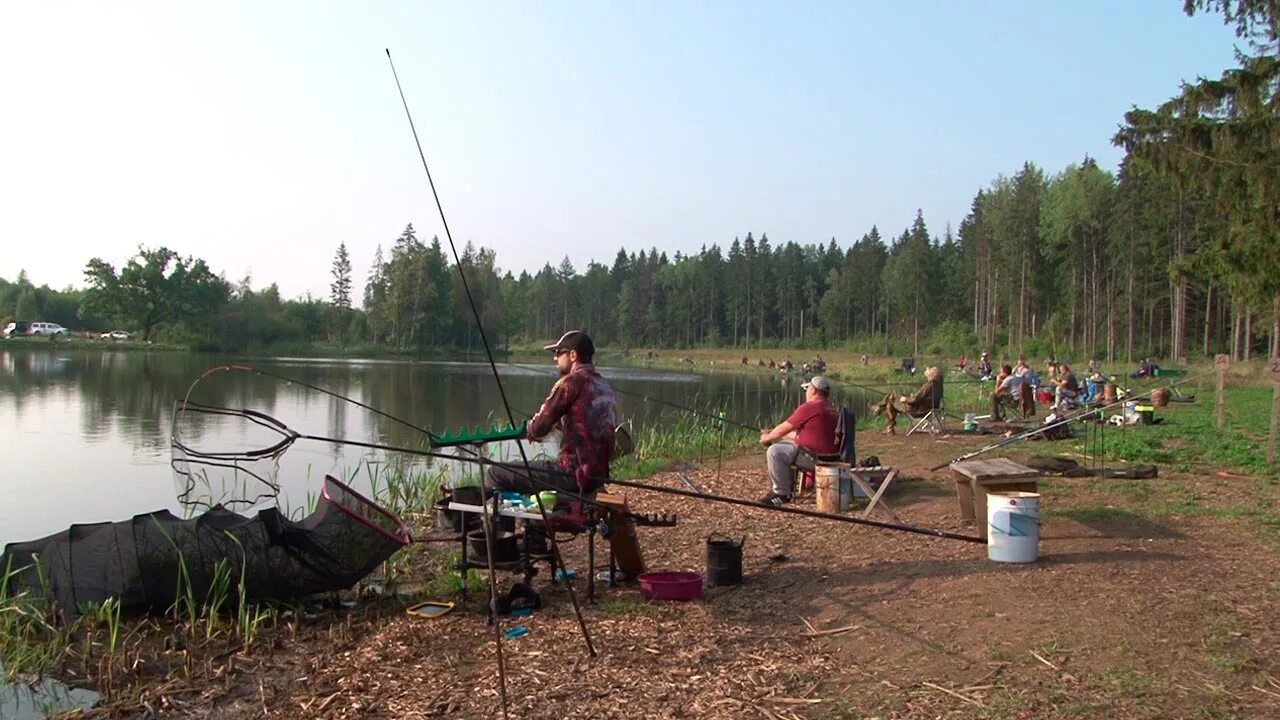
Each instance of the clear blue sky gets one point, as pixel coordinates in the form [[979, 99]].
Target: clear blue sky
[[260, 135]]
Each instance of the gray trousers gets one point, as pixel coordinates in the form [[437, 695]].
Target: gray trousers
[[782, 457]]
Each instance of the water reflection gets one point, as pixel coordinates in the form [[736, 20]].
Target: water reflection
[[84, 436]]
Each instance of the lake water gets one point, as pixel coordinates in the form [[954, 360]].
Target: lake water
[[85, 435]]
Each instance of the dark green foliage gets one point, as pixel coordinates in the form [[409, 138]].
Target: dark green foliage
[[156, 286]]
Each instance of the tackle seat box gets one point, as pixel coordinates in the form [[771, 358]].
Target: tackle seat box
[[976, 478]]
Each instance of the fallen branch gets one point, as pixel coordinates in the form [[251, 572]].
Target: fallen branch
[[1264, 690], [1068, 676], [1053, 667], [832, 631], [953, 693]]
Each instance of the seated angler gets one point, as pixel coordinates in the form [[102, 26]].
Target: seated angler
[[1007, 392], [926, 398], [795, 442], [1068, 388], [583, 408]]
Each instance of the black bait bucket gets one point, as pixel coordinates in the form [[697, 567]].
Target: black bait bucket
[[724, 559]]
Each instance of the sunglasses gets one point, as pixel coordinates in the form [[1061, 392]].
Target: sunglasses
[[562, 352]]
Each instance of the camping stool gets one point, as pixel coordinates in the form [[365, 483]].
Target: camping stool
[[863, 477]]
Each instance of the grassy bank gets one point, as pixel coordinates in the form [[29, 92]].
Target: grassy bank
[[1187, 441], [208, 639], [85, 343]]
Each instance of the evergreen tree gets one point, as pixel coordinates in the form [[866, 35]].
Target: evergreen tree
[[340, 287]]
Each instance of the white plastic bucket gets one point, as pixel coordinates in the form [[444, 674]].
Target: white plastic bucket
[[1013, 526]]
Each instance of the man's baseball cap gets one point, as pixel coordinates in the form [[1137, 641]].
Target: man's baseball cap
[[819, 383], [574, 340]]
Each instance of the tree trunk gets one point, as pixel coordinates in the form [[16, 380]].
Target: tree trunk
[[1022, 302], [1111, 318], [1235, 337], [1248, 335], [1128, 351], [1275, 327], [1208, 313]]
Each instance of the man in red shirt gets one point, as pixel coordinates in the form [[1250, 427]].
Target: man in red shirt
[[810, 431]]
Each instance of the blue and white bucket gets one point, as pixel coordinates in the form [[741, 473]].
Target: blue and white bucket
[[1013, 526]]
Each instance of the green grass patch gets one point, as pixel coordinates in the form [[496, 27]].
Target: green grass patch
[[443, 578], [629, 606], [1004, 703]]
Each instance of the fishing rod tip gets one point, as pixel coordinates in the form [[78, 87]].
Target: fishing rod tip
[[388, 52]]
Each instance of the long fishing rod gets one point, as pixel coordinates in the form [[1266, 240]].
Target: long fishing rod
[[293, 435], [801, 511], [488, 351], [1067, 419]]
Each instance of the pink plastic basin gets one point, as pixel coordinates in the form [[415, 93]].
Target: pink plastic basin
[[671, 585]]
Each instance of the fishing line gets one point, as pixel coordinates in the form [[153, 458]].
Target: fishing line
[[292, 436], [647, 398], [488, 351]]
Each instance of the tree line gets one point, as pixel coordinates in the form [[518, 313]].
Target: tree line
[[1175, 255]]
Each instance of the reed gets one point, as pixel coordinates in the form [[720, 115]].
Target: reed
[[30, 637], [676, 436], [249, 616], [216, 599]]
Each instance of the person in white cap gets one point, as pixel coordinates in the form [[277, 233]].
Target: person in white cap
[[809, 431], [927, 398], [583, 408]]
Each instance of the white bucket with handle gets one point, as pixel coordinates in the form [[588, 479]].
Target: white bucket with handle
[[1013, 526]]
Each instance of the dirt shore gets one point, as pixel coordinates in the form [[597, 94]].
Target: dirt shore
[[1139, 607]]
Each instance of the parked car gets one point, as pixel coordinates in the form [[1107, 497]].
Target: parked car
[[47, 328], [17, 328], [115, 335]]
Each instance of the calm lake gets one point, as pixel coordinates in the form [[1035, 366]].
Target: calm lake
[[85, 435]]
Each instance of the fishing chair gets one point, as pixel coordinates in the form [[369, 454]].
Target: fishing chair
[[931, 421]]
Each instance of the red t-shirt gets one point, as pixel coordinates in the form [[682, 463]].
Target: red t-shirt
[[815, 424]]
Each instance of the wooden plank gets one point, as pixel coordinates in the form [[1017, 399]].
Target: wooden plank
[[964, 495], [993, 468]]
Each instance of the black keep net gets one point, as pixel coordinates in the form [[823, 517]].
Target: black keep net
[[150, 560]]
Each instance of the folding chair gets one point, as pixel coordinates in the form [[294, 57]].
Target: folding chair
[[932, 421]]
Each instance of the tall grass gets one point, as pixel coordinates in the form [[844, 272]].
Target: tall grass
[[680, 436], [31, 638]]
